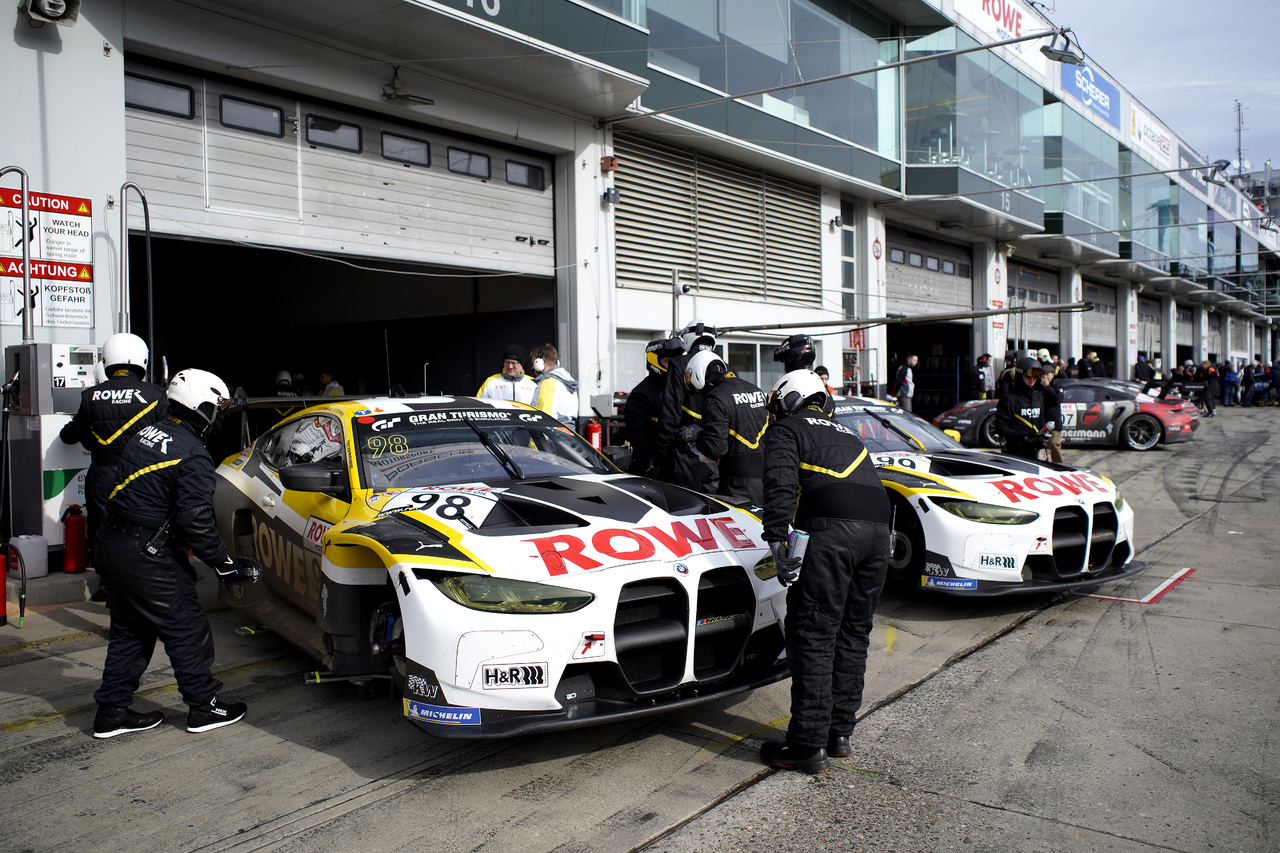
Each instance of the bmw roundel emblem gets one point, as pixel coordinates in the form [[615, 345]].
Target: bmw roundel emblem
[[681, 568]]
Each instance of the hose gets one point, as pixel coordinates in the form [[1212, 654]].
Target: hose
[[11, 551]]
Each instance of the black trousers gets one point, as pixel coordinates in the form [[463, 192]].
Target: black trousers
[[828, 626], [152, 598]]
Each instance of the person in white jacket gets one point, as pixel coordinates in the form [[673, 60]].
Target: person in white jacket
[[557, 389], [511, 383]]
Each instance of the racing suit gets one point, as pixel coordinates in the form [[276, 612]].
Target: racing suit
[[1053, 415], [640, 421], [733, 428], [557, 395], [164, 479], [499, 386], [110, 414], [817, 476], [680, 406], [1020, 419]]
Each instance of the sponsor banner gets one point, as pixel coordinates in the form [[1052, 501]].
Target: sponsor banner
[[1225, 198], [617, 545], [1007, 19], [1187, 159], [514, 675], [437, 714], [1148, 137], [1093, 90]]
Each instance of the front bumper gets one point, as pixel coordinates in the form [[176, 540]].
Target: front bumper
[[967, 587]]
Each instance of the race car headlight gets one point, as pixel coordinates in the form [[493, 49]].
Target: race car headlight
[[503, 595], [986, 513], [1119, 501], [765, 569]]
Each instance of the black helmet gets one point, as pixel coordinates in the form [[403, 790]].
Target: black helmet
[[796, 352], [657, 350], [1027, 364]]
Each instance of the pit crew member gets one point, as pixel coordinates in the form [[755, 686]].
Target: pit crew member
[[677, 460], [511, 383], [796, 353], [640, 417], [557, 393], [733, 426], [1022, 420], [818, 476], [161, 501]]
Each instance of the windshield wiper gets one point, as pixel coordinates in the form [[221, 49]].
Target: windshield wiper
[[492, 446], [899, 430]]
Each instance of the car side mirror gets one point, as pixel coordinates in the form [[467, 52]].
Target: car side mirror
[[320, 477], [618, 455], [954, 433]]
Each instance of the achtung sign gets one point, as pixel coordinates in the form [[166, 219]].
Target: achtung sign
[[59, 230]]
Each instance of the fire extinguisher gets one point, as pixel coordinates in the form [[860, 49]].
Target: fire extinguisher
[[595, 434], [75, 527]]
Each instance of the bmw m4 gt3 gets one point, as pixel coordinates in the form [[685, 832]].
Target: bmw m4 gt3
[[968, 522], [506, 574]]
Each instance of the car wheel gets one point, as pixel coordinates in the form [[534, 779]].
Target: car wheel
[[906, 555], [1140, 432], [987, 432]]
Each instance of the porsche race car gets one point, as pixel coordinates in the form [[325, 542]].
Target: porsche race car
[[504, 573], [970, 522], [1107, 412]]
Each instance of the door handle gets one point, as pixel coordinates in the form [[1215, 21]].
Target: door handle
[[268, 501]]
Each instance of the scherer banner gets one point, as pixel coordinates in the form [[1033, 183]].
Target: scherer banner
[[1093, 90]]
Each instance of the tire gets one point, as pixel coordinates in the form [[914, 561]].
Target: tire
[[987, 432], [906, 557], [1140, 432]]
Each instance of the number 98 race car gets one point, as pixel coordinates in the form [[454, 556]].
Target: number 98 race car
[[967, 522], [503, 572]]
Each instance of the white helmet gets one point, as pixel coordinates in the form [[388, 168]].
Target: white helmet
[[125, 349], [795, 389], [698, 335], [705, 364], [99, 372], [284, 379], [200, 391]]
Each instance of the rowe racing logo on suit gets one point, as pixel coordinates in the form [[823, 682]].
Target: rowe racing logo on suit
[[515, 675], [119, 395]]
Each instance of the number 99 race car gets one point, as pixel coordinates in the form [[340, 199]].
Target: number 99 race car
[[968, 522], [499, 568]]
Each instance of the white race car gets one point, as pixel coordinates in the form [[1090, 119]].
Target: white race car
[[503, 572], [969, 522]]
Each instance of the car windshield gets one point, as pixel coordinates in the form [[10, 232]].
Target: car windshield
[[444, 446], [883, 430]]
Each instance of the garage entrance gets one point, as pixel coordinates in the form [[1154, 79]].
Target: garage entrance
[[247, 313]]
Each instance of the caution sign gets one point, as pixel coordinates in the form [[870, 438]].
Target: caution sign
[[59, 233]]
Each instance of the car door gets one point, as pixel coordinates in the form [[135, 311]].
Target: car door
[[288, 525]]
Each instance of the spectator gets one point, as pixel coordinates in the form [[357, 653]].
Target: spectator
[[1143, 371], [557, 390], [1088, 367], [1053, 412], [1208, 374], [1230, 385], [826, 379], [329, 387], [904, 387], [1273, 393], [1247, 380], [511, 383]]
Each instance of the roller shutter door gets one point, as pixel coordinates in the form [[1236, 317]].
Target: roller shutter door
[[1150, 337], [268, 169], [746, 233], [927, 276], [1033, 287], [1183, 320], [1239, 335], [1100, 323]]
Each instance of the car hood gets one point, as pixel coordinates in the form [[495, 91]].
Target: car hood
[[991, 478], [549, 528]]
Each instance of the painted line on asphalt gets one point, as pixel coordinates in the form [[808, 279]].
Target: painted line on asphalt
[[31, 722], [52, 641], [1151, 598], [725, 744]]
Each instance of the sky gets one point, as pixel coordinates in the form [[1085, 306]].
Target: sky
[[1189, 62]]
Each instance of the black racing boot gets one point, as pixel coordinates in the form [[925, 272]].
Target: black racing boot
[[115, 720], [838, 746], [214, 715], [785, 756]]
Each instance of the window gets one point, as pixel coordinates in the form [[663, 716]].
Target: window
[[949, 267], [915, 259], [931, 263], [524, 175], [331, 133], [251, 116], [471, 163], [157, 96], [964, 271], [313, 439], [406, 149], [897, 256]]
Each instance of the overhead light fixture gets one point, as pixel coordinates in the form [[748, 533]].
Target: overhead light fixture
[[1217, 171], [1063, 54], [64, 13], [391, 92]]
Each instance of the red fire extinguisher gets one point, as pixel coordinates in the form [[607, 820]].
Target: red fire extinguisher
[[75, 527], [595, 434]]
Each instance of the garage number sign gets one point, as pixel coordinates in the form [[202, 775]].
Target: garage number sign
[[59, 231]]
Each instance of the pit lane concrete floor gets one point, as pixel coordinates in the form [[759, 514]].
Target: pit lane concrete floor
[[1042, 723]]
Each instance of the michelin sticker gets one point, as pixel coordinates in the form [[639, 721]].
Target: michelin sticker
[[436, 714], [948, 583]]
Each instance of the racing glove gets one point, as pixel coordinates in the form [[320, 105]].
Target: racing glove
[[690, 433], [239, 571], [788, 567]]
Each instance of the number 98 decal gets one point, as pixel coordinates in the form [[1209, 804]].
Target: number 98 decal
[[449, 506]]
